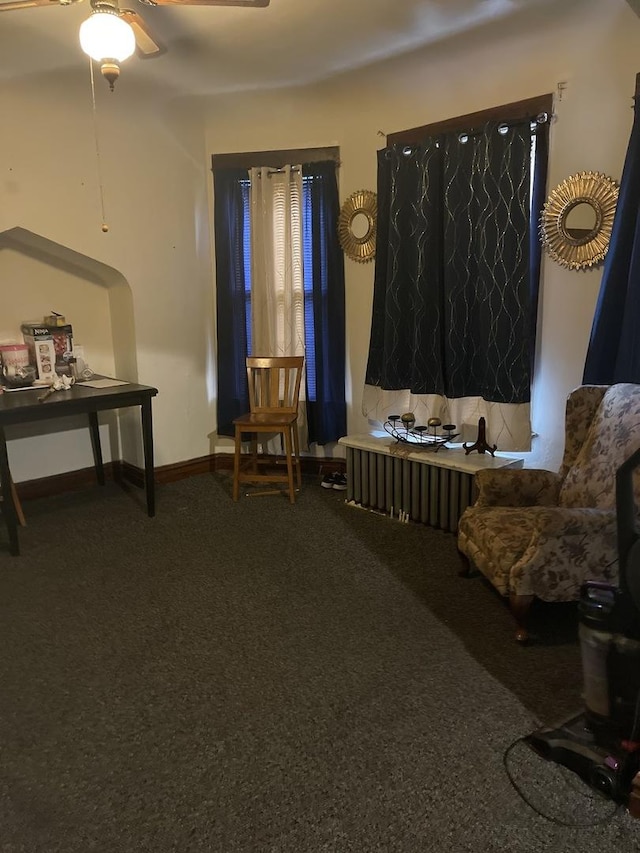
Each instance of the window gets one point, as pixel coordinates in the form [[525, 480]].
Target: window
[[246, 256], [457, 269], [307, 266], [322, 303]]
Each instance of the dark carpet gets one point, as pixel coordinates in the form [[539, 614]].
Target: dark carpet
[[266, 677]]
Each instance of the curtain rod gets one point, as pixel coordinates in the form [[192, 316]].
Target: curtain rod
[[504, 126], [464, 135], [279, 171], [503, 112]]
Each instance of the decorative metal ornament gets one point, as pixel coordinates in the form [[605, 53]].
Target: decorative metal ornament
[[359, 248], [425, 437], [579, 248]]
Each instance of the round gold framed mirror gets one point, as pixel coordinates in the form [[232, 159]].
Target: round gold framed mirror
[[357, 226], [577, 218]]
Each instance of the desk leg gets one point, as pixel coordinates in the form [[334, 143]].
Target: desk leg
[[18, 506], [95, 446], [147, 444], [8, 507]]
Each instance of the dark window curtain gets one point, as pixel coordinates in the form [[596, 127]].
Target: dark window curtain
[[405, 349], [613, 354], [538, 195], [456, 282], [324, 280], [487, 295], [233, 398]]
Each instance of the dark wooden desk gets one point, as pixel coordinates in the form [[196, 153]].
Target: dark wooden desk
[[21, 407]]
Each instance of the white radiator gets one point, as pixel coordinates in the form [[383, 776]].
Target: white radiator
[[430, 487]]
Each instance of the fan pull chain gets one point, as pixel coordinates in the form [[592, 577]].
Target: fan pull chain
[[105, 227]]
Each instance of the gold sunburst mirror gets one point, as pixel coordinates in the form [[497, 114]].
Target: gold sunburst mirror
[[577, 218], [357, 226]]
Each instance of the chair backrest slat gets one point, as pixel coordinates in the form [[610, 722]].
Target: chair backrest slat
[[274, 383]]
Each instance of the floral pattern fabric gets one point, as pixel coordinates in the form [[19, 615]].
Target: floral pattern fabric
[[533, 532], [613, 436]]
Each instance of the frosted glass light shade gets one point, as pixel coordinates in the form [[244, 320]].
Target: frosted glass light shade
[[104, 35]]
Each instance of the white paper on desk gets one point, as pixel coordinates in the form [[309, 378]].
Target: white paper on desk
[[103, 383], [26, 388]]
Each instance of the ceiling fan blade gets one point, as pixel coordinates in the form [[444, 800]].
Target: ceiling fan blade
[[27, 4], [147, 45], [256, 4]]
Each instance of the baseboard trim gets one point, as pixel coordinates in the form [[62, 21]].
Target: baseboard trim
[[68, 482], [118, 471]]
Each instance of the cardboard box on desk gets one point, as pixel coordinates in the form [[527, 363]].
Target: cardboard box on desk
[[46, 359], [60, 340]]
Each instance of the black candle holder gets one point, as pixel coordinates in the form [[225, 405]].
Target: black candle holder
[[420, 437]]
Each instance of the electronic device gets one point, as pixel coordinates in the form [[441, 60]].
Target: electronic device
[[602, 744]]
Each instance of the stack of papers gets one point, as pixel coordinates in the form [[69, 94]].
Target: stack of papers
[[102, 383]]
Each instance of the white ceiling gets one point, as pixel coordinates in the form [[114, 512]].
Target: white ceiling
[[215, 49]]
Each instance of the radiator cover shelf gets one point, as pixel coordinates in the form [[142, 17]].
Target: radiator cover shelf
[[432, 488]]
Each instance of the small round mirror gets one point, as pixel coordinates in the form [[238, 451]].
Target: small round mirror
[[357, 226], [360, 226], [581, 222], [577, 219]]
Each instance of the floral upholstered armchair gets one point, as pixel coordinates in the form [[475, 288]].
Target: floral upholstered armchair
[[534, 533]]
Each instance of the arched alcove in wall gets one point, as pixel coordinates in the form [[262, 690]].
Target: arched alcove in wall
[[39, 276], [44, 276]]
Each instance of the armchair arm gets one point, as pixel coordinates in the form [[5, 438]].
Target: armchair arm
[[564, 522], [517, 487]]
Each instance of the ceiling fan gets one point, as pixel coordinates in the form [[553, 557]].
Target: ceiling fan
[[110, 34]]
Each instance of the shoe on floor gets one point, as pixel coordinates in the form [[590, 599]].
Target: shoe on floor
[[328, 480], [336, 481], [339, 482]]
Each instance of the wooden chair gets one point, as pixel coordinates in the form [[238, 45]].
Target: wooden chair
[[274, 389]]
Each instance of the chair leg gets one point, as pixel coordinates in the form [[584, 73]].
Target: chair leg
[[254, 452], [236, 464], [288, 452], [296, 447], [467, 570], [520, 605]]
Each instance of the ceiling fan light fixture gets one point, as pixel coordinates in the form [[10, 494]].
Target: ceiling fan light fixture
[[105, 36]]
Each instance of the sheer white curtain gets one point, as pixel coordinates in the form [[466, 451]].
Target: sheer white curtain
[[277, 280]]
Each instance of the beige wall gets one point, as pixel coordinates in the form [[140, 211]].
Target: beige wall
[[593, 58], [155, 181], [155, 162], [42, 288]]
